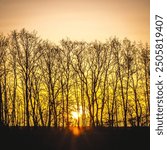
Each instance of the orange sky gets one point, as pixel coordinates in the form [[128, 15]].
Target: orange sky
[[78, 19]]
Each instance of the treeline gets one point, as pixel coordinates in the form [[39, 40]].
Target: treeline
[[41, 84]]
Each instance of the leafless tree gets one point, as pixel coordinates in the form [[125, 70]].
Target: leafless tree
[[3, 80], [42, 83]]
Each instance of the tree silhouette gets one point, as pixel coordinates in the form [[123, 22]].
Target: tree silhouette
[[43, 84]]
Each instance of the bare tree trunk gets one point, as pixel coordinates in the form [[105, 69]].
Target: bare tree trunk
[[83, 104], [26, 92], [114, 104], [147, 95], [1, 105], [67, 102], [14, 92], [5, 96], [62, 99]]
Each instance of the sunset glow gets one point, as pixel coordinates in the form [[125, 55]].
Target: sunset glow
[[77, 19], [87, 64], [75, 115]]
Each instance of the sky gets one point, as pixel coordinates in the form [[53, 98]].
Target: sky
[[86, 20]]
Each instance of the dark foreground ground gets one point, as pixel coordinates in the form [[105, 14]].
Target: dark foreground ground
[[84, 139]]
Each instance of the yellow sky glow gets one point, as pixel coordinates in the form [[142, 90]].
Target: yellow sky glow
[[78, 19]]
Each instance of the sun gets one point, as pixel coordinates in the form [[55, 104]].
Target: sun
[[75, 115]]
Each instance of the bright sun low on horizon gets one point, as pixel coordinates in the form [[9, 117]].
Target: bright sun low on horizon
[[86, 20]]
